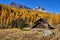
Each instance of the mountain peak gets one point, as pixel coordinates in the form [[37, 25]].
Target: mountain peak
[[40, 9], [12, 3], [19, 5]]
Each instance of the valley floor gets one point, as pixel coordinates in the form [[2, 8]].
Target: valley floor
[[17, 34]]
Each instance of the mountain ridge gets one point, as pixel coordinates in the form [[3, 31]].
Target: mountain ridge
[[18, 5]]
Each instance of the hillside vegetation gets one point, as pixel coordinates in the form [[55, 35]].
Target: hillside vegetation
[[17, 34], [11, 16]]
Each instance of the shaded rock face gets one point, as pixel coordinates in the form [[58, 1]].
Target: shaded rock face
[[42, 24], [19, 5]]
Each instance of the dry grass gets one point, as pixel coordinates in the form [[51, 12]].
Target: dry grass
[[17, 34]]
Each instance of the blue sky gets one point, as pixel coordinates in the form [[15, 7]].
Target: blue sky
[[49, 5]]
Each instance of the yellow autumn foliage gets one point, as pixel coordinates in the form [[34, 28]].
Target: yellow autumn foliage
[[30, 16]]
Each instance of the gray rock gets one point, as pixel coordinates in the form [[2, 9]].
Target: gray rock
[[48, 32]]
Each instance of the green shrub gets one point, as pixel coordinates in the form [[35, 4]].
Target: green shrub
[[20, 25]]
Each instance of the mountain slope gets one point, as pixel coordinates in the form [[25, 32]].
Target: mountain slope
[[8, 14]]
